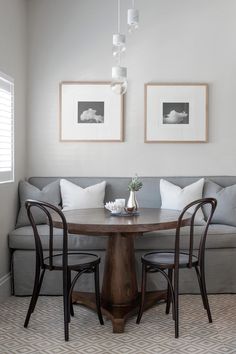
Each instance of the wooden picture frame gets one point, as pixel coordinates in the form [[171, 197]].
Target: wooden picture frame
[[90, 112], [176, 113]]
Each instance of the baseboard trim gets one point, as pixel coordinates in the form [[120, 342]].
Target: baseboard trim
[[5, 287]]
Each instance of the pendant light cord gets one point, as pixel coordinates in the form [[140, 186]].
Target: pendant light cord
[[118, 16]]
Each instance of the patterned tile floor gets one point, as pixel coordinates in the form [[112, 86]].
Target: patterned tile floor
[[155, 334]]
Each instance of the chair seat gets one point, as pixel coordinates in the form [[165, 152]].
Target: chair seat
[[166, 259], [78, 260]]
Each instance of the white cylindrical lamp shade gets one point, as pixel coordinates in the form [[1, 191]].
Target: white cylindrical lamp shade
[[119, 80], [119, 72], [133, 19], [118, 41]]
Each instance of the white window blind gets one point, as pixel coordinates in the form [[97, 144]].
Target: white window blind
[[6, 128]]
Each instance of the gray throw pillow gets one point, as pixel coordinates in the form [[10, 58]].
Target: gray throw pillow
[[225, 212], [50, 194]]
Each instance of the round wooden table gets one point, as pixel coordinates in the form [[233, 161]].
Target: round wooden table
[[120, 298]]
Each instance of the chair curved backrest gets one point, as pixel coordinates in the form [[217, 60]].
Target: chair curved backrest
[[197, 205], [47, 209]]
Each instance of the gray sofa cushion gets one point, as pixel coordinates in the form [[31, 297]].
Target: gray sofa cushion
[[50, 193], [219, 236], [22, 238], [225, 212]]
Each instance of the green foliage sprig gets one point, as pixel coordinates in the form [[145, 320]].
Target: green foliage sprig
[[135, 184]]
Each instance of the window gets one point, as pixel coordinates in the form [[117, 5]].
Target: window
[[6, 129]]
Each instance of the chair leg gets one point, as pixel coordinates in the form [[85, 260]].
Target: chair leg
[[143, 290], [69, 294], [97, 294], [168, 301], [202, 273], [38, 290], [176, 302], [37, 285], [66, 305], [200, 286]]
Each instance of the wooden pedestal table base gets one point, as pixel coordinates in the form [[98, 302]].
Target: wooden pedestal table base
[[118, 315], [120, 298]]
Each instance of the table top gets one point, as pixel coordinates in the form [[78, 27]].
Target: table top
[[100, 221]]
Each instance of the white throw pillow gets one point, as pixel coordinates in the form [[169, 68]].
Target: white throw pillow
[[176, 198], [75, 197]]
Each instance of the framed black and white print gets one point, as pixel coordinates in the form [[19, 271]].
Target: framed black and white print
[[176, 112], [90, 111]]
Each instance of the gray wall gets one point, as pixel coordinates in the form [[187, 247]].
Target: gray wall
[[12, 62], [178, 41]]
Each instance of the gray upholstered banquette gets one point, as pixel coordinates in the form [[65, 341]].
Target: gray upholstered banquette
[[220, 253]]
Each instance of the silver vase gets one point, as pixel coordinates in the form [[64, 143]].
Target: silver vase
[[132, 203]]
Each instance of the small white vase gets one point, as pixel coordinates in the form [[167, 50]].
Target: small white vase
[[132, 201]]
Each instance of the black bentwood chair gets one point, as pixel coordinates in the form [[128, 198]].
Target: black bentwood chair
[[66, 262], [174, 260]]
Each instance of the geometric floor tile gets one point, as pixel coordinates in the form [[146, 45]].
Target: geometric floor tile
[[154, 335]]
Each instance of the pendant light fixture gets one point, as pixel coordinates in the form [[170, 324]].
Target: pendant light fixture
[[118, 39], [119, 80], [119, 73], [133, 18]]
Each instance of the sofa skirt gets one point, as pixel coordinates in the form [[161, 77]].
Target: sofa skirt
[[220, 274]]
